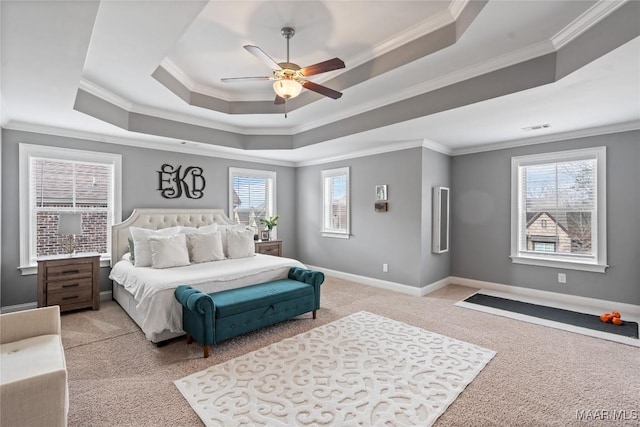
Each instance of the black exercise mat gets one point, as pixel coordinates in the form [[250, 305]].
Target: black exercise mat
[[590, 321]]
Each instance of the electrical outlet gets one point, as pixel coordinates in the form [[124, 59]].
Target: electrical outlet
[[562, 278], [385, 268]]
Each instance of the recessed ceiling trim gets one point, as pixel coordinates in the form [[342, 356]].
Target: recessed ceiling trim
[[151, 143], [582, 23], [104, 94], [475, 70], [388, 148], [554, 137]]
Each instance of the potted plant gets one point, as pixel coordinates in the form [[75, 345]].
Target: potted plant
[[270, 222]]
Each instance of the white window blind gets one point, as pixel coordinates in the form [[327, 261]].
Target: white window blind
[[335, 189], [251, 196], [558, 208]]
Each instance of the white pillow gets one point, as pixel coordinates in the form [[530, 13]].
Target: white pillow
[[205, 247], [224, 229], [141, 247], [169, 251], [212, 228], [240, 244]]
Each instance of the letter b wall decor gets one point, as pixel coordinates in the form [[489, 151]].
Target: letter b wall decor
[[173, 182]]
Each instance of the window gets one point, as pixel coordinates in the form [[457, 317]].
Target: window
[[252, 197], [58, 180], [335, 190], [558, 214]]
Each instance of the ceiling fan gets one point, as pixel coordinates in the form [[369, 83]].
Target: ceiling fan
[[288, 78]]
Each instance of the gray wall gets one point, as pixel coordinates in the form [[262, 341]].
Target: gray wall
[[394, 237], [481, 221], [139, 189]]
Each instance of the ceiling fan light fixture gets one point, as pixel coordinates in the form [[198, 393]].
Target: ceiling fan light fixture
[[287, 88]]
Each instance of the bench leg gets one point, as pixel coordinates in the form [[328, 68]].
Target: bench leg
[[206, 351], [189, 339], [314, 314]]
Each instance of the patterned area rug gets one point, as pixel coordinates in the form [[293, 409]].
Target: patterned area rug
[[363, 369]]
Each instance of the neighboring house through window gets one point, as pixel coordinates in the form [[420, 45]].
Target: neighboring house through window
[[58, 180], [558, 216], [252, 197], [335, 190]]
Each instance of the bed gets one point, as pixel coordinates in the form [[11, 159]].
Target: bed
[[147, 294]]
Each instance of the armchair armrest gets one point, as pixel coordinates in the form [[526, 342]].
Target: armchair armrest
[[29, 323]]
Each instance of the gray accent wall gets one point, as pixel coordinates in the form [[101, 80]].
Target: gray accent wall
[[400, 237], [139, 190], [481, 209]]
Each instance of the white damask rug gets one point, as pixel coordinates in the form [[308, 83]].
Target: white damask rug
[[362, 370]]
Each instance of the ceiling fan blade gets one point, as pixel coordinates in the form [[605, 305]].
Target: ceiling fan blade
[[322, 90], [266, 59], [323, 67], [279, 100], [245, 79]]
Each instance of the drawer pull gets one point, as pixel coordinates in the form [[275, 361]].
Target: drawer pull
[[71, 272], [71, 286], [73, 297]]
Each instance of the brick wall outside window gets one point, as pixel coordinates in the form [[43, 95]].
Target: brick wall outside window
[[93, 238]]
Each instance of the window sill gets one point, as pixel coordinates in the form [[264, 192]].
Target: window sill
[[563, 264], [28, 270], [336, 235]]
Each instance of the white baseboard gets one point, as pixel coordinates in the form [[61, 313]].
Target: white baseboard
[[104, 296], [552, 298], [384, 284]]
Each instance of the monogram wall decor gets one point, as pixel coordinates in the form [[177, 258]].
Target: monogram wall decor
[[173, 182]]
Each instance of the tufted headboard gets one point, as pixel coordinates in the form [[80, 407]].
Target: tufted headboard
[[161, 218]]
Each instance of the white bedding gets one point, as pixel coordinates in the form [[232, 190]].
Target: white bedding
[[153, 288]]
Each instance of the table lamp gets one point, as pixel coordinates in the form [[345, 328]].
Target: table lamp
[[70, 225]]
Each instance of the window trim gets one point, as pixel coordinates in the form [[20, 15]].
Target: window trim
[[26, 152], [329, 173], [257, 173], [599, 240]]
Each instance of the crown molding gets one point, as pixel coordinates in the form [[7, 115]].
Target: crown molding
[[5, 117], [556, 137], [456, 7], [387, 148], [104, 94], [582, 23], [434, 146], [155, 143], [202, 89]]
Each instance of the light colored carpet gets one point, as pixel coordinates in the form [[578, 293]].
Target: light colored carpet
[[539, 376], [363, 369]]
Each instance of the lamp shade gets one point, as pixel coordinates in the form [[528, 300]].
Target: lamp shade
[[69, 223], [287, 88]]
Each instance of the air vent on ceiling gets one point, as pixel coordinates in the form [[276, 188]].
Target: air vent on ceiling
[[537, 127]]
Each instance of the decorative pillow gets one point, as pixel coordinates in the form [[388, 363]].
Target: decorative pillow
[[240, 244], [169, 251], [224, 230], [212, 228], [132, 250], [205, 247], [141, 246]]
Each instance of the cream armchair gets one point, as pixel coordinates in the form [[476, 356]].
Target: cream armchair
[[33, 373]]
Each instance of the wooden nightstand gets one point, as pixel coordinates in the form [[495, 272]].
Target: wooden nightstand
[[269, 247], [72, 282]]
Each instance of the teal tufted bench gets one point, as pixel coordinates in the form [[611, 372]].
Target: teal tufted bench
[[211, 318]]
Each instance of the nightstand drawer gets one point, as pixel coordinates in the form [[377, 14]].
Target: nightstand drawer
[[271, 247], [69, 285], [69, 271], [270, 250], [63, 298]]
